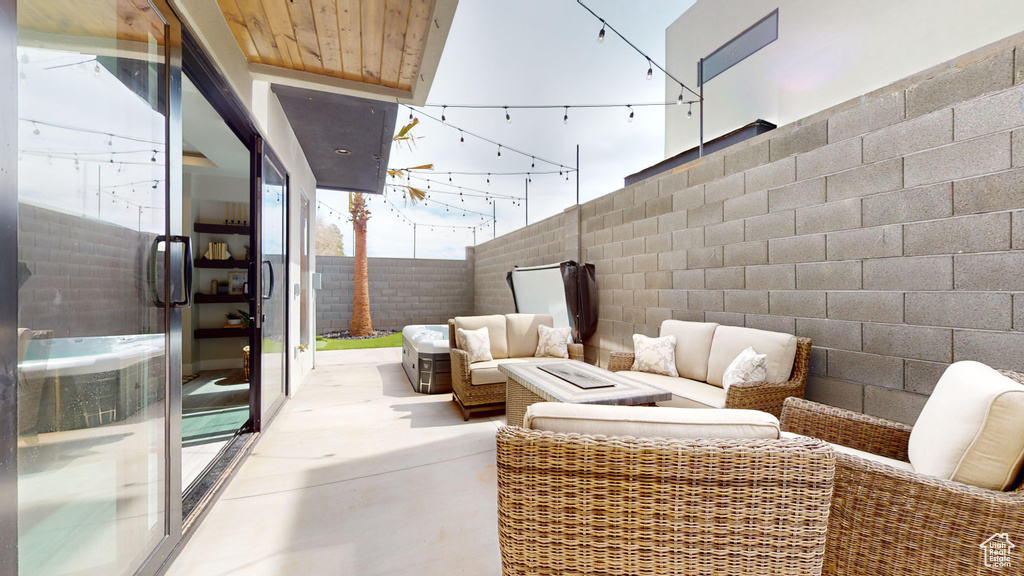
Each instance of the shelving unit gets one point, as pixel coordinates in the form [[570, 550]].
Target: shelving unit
[[230, 264]]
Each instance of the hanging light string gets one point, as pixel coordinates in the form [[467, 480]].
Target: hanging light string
[[546, 106], [38, 123], [650, 61], [457, 173], [406, 220], [488, 140], [446, 205], [483, 193]]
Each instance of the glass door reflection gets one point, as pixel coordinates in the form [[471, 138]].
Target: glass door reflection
[[274, 283]]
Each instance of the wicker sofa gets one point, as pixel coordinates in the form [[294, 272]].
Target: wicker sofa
[[889, 517], [589, 489], [704, 351], [480, 386]]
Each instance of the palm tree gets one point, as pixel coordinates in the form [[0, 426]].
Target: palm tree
[[361, 323]]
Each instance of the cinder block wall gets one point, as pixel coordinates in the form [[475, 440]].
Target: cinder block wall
[[402, 291], [889, 229], [87, 276]]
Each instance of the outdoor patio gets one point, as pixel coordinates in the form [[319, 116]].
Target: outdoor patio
[[358, 475]]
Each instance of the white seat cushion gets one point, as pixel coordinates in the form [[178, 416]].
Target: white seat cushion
[[693, 345], [861, 454], [495, 324], [686, 393], [653, 422], [488, 373], [521, 330], [729, 341], [971, 429]]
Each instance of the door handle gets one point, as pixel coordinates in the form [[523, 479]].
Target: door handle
[[154, 293], [268, 287], [186, 271]]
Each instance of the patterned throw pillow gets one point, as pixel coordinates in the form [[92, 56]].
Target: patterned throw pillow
[[552, 342], [749, 366], [476, 343], [654, 355]]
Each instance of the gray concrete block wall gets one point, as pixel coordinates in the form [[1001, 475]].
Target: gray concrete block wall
[[87, 276], [889, 229], [403, 291]]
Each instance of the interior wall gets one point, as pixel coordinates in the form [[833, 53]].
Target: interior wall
[[888, 229], [826, 53]]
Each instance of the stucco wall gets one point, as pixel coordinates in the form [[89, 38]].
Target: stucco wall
[[889, 229], [403, 291], [826, 53]]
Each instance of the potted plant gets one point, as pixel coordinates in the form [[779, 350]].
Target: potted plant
[[234, 318], [244, 315], [222, 286]]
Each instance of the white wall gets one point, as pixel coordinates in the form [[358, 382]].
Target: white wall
[[205, 19], [827, 53]]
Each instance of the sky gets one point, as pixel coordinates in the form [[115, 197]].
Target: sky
[[528, 52]]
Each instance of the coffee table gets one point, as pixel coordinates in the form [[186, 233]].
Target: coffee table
[[527, 384]]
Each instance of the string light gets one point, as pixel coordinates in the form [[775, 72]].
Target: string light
[[689, 112], [600, 35], [443, 119], [96, 70], [499, 151], [650, 69], [462, 138], [565, 119], [508, 119], [679, 101], [630, 113], [410, 115], [35, 129]]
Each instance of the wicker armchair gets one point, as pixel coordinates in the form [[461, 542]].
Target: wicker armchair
[[764, 396], [580, 504], [484, 396], [890, 521]]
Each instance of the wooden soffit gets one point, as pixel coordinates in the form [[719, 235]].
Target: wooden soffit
[[379, 43]]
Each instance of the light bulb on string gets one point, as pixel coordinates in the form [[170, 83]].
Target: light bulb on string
[[410, 115], [499, 151], [153, 159], [488, 178], [462, 139], [600, 35], [35, 129], [689, 112], [650, 69], [24, 57], [443, 119], [508, 119], [630, 119], [22, 77], [96, 70], [110, 140], [565, 119], [679, 101], [533, 163]]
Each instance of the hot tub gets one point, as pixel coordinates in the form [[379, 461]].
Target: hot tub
[[86, 382], [426, 359]]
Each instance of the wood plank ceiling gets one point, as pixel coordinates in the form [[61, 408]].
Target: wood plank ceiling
[[378, 42], [132, 20]]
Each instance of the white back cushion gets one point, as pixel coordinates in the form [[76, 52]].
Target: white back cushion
[[693, 343], [495, 324], [522, 333], [971, 430], [653, 422], [729, 341]]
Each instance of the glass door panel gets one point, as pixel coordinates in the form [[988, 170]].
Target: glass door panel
[[94, 296], [274, 283]]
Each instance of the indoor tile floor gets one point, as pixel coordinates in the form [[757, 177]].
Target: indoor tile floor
[[358, 475]]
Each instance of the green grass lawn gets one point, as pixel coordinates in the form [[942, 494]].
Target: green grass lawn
[[393, 341]]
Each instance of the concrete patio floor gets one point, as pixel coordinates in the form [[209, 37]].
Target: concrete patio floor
[[358, 475]]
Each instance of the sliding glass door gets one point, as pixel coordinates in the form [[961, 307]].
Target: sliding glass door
[[272, 299], [100, 281]]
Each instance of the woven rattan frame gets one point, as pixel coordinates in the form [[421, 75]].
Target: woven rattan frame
[[483, 396], [764, 396], [519, 398], [577, 504], [885, 520]]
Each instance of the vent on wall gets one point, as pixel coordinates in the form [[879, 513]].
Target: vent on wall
[[761, 34]]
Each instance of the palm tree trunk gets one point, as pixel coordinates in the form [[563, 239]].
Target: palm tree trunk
[[361, 324]]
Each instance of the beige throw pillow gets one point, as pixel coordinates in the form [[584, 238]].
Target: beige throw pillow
[[749, 366], [654, 355], [476, 343], [552, 342]]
